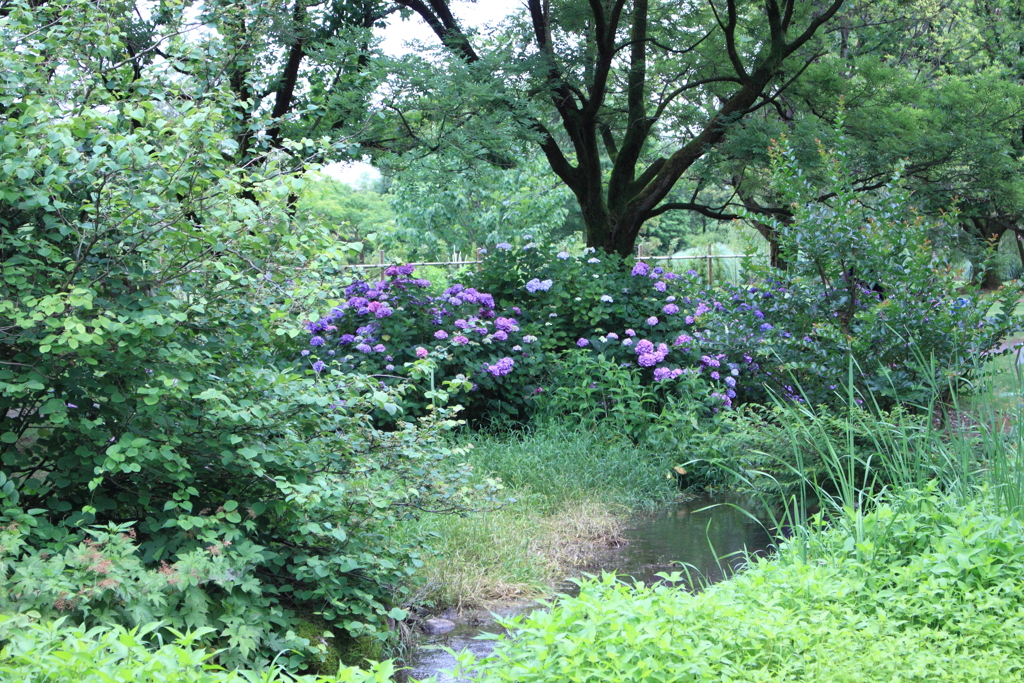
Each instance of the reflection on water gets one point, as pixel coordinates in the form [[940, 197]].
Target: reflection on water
[[710, 535]]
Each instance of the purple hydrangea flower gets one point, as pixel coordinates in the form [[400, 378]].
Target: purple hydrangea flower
[[759, 315], [389, 368], [627, 341], [652, 321], [661, 374], [316, 341], [536, 284], [647, 360], [421, 352], [305, 352], [502, 366], [644, 346], [319, 366], [660, 285], [501, 335], [563, 255], [670, 309], [630, 333], [503, 246], [612, 336], [380, 348], [582, 342], [440, 334], [640, 269], [365, 348], [715, 375], [730, 381], [346, 339], [459, 340], [689, 320], [506, 324], [766, 326], [683, 339]]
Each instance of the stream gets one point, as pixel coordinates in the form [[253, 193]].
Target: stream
[[710, 534]]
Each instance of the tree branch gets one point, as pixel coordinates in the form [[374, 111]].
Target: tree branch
[[691, 206]]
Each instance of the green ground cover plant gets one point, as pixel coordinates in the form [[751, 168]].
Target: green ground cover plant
[[937, 598], [56, 652]]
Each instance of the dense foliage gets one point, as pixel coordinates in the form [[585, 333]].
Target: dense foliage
[[934, 594], [868, 286], [147, 305], [55, 652]]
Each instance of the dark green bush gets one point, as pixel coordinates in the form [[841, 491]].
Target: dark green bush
[[149, 294]]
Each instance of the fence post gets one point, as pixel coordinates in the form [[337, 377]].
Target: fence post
[[709, 265]]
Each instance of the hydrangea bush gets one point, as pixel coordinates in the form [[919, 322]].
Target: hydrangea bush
[[394, 328], [866, 291]]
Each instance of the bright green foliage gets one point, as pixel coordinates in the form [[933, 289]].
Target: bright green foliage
[[150, 287], [939, 599], [441, 208], [53, 652], [360, 217]]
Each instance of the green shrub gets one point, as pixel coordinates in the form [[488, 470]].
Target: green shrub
[[149, 290], [53, 652]]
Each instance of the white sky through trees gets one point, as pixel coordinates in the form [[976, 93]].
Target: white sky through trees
[[395, 41]]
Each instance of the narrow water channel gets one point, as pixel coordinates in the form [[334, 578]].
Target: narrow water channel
[[710, 535]]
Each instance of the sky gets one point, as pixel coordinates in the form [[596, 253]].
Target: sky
[[395, 37]]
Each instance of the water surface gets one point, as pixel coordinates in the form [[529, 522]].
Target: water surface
[[708, 537]]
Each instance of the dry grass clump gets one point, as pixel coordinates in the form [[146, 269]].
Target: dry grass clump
[[516, 553]]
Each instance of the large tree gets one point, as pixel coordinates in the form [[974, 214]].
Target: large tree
[[934, 92], [624, 98]]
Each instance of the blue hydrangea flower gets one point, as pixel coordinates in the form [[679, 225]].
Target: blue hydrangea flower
[[319, 366], [316, 341], [503, 246]]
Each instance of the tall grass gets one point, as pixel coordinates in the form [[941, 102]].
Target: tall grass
[[964, 451], [559, 462]]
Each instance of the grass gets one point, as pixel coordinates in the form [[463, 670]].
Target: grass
[[571, 494]]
